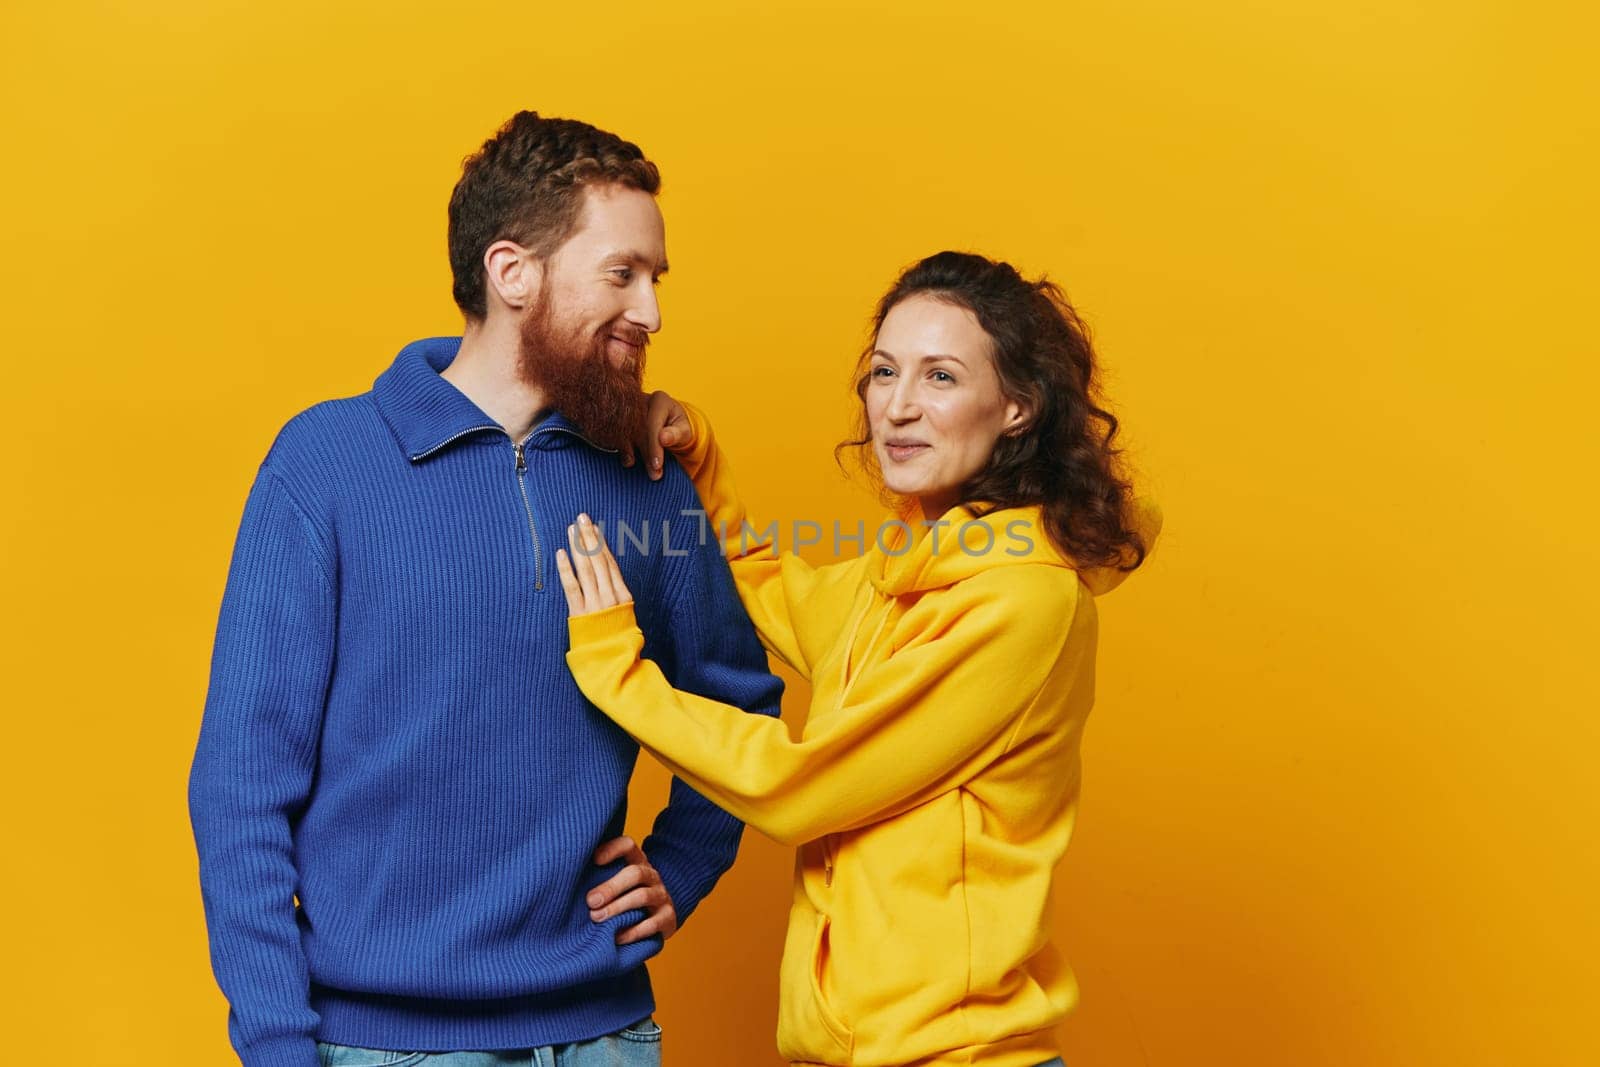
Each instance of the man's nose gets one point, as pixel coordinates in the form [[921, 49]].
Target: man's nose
[[645, 310]]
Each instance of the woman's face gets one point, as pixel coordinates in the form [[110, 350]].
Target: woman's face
[[933, 401]]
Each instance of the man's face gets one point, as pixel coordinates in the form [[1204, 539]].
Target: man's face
[[585, 333]]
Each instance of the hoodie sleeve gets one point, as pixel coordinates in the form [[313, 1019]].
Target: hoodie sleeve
[[710, 651], [917, 723], [772, 587]]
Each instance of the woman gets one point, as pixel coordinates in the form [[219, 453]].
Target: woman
[[952, 665]]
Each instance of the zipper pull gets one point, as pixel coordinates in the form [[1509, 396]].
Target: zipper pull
[[827, 863], [521, 465]]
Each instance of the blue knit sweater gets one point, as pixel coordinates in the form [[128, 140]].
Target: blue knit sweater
[[391, 733]]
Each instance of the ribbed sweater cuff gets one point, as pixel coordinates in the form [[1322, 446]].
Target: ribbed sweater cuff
[[294, 1050], [686, 882]]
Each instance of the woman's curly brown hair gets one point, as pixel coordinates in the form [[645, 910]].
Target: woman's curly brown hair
[[1062, 458], [526, 185]]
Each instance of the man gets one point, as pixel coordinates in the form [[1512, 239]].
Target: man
[[391, 733]]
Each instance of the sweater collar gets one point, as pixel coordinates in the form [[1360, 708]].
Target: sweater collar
[[425, 412]]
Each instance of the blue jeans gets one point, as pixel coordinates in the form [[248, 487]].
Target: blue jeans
[[638, 1045]]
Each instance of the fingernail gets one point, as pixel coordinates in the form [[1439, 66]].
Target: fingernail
[[583, 519]]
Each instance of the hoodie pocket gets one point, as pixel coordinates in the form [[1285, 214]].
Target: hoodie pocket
[[808, 1029], [819, 959]]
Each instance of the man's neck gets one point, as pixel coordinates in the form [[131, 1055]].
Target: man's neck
[[485, 369]]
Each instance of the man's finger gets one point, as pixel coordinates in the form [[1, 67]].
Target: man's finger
[[644, 896], [663, 922], [616, 848], [628, 878]]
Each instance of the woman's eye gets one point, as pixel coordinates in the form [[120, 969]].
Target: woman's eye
[[942, 376], [882, 372]]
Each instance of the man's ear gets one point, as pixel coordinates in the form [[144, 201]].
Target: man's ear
[[513, 273]]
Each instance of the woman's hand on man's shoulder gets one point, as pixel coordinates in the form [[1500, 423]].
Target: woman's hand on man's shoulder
[[666, 427]]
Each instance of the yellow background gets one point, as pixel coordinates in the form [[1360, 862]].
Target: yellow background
[[1339, 258]]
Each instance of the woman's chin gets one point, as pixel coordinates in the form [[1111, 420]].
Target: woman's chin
[[926, 496], [901, 487]]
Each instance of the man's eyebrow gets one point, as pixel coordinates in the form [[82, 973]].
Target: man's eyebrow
[[638, 259], [934, 358]]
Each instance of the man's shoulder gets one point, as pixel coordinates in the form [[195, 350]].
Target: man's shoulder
[[672, 499], [639, 495], [323, 425], [312, 448], [675, 480]]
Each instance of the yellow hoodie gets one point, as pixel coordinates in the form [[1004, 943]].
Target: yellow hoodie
[[934, 787]]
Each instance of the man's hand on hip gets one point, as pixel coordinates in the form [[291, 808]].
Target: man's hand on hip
[[638, 885]]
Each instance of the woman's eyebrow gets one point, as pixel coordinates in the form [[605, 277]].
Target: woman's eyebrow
[[934, 358]]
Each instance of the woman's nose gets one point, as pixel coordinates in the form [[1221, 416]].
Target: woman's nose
[[902, 403]]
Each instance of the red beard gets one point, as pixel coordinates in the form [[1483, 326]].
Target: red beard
[[606, 403]]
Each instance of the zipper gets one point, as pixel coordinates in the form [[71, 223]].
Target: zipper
[[430, 451], [522, 487], [568, 430]]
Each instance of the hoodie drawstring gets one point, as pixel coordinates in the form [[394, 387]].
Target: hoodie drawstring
[[846, 678]]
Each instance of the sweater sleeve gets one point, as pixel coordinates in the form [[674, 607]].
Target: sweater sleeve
[[916, 724], [253, 767], [770, 584], [715, 655]]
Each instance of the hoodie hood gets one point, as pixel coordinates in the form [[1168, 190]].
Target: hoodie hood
[[911, 556]]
